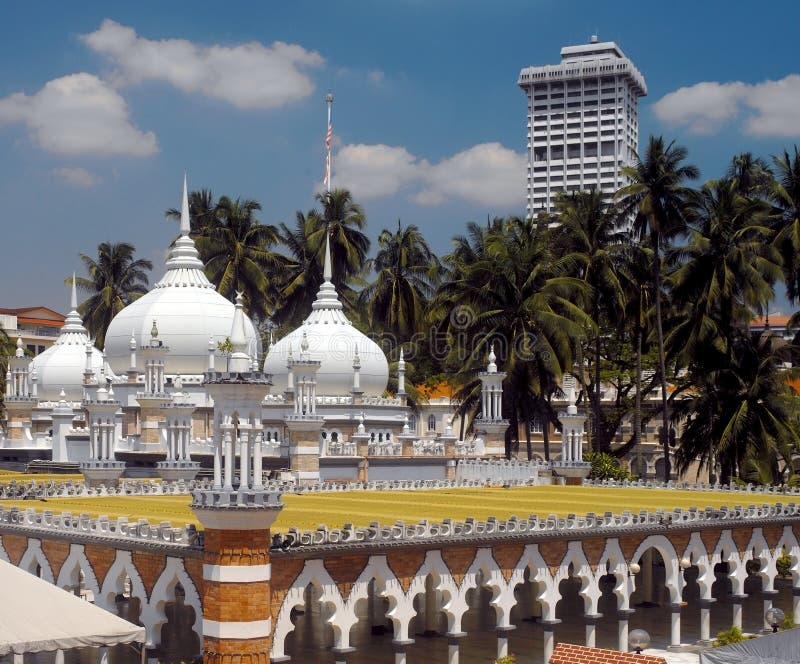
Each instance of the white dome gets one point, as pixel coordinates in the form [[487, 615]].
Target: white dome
[[333, 341], [187, 309], [61, 366]]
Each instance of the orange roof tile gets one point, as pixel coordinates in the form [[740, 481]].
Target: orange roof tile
[[567, 653]]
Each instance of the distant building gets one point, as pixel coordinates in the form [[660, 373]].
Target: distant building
[[38, 326], [583, 122]]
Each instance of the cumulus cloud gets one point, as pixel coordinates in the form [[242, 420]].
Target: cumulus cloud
[[75, 176], [486, 174], [768, 108], [78, 114], [248, 76]]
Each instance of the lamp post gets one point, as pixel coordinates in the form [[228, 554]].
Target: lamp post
[[774, 617], [638, 639]]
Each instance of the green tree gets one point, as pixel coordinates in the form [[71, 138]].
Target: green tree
[[236, 253], [406, 275], [657, 199], [785, 195], [202, 212], [589, 243], [115, 280]]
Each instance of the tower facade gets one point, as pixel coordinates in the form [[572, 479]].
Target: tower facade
[[583, 122]]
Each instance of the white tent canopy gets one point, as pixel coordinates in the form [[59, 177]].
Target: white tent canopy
[[37, 616]]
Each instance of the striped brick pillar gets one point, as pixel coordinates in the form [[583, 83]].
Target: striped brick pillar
[[237, 627]]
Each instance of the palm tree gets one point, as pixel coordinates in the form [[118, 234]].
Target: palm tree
[[115, 280], [785, 195], [725, 273], [752, 175], [588, 241], [343, 219], [202, 212], [657, 199], [738, 410], [508, 292], [236, 254], [407, 273]]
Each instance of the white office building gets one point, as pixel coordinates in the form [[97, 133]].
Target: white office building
[[583, 121]]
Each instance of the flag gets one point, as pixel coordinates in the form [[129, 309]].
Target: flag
[[327, 179], [328, 137]]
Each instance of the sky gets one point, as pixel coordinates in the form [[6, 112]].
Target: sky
[[105, 105]]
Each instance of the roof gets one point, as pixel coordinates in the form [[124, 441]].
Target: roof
[[36, 315], [567, 653], [774, 321], [63, 621], [440, 390]]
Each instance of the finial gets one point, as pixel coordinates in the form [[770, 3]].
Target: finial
[[304, 344], [211, 344], [185, 223], [62, 395], [361, 422], [289, 355], [402, 362], [327, 272], [492, 367], [20, 352], [405, 423], [356, 358], [132, 344], [73, 303], [154, 330], [240, 298], [178, 382]]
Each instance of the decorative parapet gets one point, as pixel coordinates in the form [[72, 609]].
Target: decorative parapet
[[532, 528], [68, 525], [688, 486]]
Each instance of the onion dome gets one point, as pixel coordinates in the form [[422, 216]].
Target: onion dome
[[187, 307], [62, 366], [330, 337]]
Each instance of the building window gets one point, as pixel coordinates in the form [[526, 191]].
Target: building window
[[536, 424], [431, 423], [412, 422]]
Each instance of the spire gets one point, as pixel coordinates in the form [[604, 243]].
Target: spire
[[239, 359], [492, 367], [185, 225], [327, 272], [20, 352], [73, 303]]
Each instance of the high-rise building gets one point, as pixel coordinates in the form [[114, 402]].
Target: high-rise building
[[583, 122]]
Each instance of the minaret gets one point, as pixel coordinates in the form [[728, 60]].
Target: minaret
[[401, 378], [19, 398], [572, 466], [491, 423], [239, 359], [357, 392], [154, 354], [133, 372]]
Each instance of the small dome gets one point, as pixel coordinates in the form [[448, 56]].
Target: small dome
[[331, 339], [61, 366], [187, 308]]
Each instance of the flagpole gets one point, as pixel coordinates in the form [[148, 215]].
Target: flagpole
[[328, 136]]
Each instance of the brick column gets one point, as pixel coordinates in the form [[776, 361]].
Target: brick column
[[237, 627]]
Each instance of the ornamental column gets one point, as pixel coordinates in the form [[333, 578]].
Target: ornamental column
[[19, 399], [154, 395], [237, 627], [572, 466], [304, 424], [490, 424]]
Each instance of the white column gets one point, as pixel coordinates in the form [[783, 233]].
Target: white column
[[647, 576], [796, 603], [737, 610], [591, 632], [502, 644], [622, 633], [549, 642], [430, 607], [705, 620], [218, 460], [229, 458], [452, 651], [244, 460], [675, 625], [257, 472], [298, 400], [768, 595]]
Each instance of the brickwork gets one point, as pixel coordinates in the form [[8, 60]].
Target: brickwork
[[235, 651], [507, 556], [226, 602], [101, 559], [404, 565], [150, 566], [56, 553], [15, 546], [566, 653], [236, 547], [345, 570], [458, 559]]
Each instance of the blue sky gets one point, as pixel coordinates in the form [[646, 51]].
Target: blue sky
[[103, 105]]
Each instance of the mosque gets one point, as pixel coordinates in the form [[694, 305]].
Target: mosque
[[316, 409]]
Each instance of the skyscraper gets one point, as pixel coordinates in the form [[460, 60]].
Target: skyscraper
[[583, 122]]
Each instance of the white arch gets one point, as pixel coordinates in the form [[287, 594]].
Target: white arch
[[590, 583], [545, 589], [726, 551], [789, 542], [77, 561], [698, 556], [35, 556], [313, 573], [503, 599], [758, 549], [673, 578], [613, 559], [154, 612]]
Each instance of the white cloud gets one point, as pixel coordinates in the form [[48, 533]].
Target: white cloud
[[75, 176], [374, 170], [249, 75], [78, 114], [487, 174], [768, 108], [376, 76]]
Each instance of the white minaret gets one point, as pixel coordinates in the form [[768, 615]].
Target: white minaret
[[239, 360], [401, 374], [572, 430], [490, 424]]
